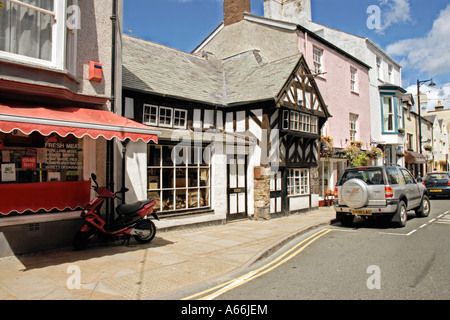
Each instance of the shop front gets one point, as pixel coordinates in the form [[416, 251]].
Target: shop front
[[47, 154]]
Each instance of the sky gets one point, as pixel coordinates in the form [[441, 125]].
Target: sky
[[416, 33]]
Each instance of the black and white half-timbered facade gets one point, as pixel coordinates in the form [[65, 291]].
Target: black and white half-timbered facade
[[239, 136]]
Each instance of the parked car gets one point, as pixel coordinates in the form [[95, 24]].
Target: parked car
[[437, 183], [379, 191]]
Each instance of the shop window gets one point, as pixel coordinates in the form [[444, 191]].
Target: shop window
[[178, 177], [35, 158]]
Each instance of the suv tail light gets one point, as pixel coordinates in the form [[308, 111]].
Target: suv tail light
[[388, 192], [336, 193]]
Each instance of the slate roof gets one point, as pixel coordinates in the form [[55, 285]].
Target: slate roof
[[153, 68]]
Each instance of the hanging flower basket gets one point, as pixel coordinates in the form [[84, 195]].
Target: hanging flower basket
[[327, 147], [357, 144], [400, 154], [356, 156], [428, 148], [374, 153]]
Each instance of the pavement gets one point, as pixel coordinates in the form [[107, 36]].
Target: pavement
[[173, 261]]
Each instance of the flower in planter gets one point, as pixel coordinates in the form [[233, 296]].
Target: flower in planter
[[400, 154], [428, 148]]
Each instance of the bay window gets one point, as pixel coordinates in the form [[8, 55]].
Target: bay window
[[33, 31], [297, 121]]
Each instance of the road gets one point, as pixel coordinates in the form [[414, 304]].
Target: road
[[366, 261]]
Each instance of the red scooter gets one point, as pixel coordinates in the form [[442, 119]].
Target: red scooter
[[131, 221]]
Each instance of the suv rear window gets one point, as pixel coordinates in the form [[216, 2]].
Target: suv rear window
[[370, 176]]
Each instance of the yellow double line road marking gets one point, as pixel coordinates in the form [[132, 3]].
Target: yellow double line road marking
[[288, 255]]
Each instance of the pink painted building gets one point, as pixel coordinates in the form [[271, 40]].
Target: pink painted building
[[343, 80]]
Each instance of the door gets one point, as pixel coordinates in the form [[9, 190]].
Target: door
[[412, 190], [237, 187], [275, 193]]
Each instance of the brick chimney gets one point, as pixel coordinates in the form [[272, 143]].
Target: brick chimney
[[233, 10]]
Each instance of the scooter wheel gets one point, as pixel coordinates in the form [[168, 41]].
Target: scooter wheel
[[150, 227], [81, 239]]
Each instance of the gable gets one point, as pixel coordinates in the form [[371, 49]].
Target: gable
[[302, 93]]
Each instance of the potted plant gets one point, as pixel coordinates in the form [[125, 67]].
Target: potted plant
[[401, 130], [400, 154], [428, 148]]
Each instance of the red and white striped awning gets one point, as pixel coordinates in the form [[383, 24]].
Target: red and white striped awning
[[79, 122]]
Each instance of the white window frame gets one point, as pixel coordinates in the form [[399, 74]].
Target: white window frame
[[298, 182], [286, 123], [353, 79], [318, 60], [175, 119], [160, 115], [399, 114], [391, 73], [387, 114], [150, 122], [294, 121], [305, 122], [58, 37], [380, 68], [314, 124], [71, 41], [353, 122]]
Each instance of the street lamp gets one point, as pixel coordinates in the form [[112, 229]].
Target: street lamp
[[419, 83]]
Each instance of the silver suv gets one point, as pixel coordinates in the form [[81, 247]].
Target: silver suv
[[379, 191]]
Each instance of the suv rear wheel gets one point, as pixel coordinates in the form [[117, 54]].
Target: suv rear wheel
[[403, 215], [424, 210]]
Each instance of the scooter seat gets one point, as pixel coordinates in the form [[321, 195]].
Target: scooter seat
[[127, 209]]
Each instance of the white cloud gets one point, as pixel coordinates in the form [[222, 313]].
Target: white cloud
[[435, 95], [429, 54], [394, 12]]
